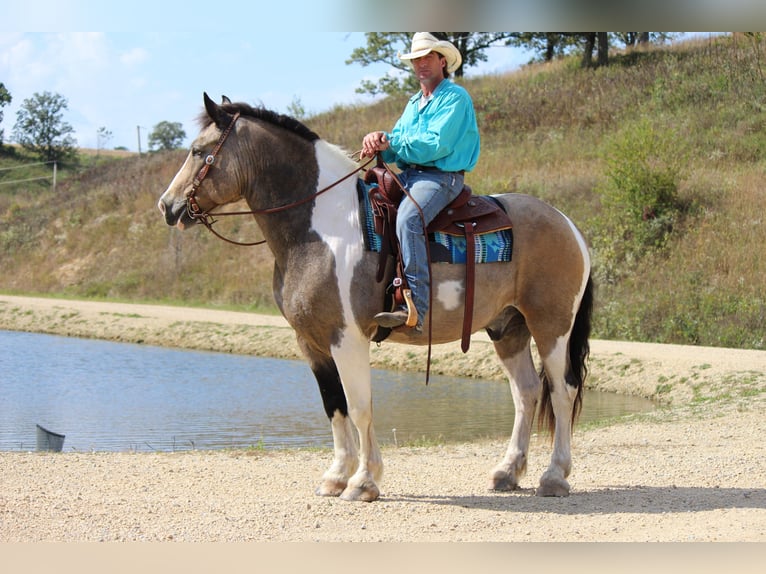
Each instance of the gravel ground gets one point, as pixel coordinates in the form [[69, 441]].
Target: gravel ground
[[694, 470]]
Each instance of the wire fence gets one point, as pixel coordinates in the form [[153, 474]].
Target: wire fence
[[27, 179]]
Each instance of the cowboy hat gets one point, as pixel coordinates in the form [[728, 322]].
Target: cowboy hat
[[425, 42]]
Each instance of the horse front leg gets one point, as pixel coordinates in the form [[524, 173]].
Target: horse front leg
[[335, 479], [352, 356], [525, 390]]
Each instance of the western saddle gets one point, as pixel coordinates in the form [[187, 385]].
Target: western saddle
[[467, 216]]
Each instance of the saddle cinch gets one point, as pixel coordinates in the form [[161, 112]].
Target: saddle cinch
[[467, 216]]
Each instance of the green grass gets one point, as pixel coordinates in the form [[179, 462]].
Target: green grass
[[576, 138]]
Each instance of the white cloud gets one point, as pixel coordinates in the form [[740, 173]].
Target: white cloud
[[134, 57]]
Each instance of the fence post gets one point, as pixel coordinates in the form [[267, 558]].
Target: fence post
[[54, 177]]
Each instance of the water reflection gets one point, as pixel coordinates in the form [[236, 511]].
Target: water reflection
[[117, 396]]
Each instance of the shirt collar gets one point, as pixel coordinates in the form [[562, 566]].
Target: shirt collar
[[419, 94]]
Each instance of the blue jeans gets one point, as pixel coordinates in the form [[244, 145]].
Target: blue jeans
[[433, 191]]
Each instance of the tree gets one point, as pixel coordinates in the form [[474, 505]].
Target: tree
[[103, 136], [5, 99], [166, 136], [384, 47], [590, 41], [41, 129], [549, 45]]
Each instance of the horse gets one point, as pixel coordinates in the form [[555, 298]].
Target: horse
[[302, 192]]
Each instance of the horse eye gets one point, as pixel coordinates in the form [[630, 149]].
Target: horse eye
[[196, 151]]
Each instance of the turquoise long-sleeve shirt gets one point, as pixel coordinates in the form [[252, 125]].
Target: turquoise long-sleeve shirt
[[441, 134]]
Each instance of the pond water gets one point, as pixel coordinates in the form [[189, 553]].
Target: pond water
[[107, 396]]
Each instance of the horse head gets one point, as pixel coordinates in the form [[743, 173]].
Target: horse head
[[207, 179]]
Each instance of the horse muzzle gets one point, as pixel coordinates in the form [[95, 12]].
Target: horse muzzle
[[175, 213]]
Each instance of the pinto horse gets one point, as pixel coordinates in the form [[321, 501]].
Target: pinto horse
[[302, 192]]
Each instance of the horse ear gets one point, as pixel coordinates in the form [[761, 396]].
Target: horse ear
[[216, 113], [225, 100]]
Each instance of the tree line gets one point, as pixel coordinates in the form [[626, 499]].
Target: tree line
[[40, 127], [593, 47]]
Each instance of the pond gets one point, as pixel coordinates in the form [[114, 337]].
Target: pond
[[107, 396]]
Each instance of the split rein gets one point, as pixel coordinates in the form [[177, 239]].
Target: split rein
[[207, 218]]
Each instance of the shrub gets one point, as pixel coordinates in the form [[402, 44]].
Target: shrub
[[640, 204]]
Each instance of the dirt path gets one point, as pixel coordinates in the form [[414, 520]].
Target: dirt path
[[693, 470]]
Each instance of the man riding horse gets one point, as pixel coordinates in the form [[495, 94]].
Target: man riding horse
[[434, 142]]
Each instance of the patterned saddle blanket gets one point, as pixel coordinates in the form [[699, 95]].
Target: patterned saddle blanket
[[493, 247]]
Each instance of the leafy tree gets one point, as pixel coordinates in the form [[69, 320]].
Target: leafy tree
[[297, 109], [103, 136], [166, 136], [5, 99], [41, 129], [549, 45], [384, 47]]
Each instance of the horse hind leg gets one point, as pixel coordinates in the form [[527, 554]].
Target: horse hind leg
[[512, 344], [564, 371], [558, 411]]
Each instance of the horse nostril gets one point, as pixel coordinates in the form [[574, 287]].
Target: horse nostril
[[162, 207]]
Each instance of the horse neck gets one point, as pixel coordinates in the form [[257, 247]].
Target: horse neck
[[285, 172]]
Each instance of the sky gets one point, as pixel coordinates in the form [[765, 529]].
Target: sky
[[152, 60], [129, 82]]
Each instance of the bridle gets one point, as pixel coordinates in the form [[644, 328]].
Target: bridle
[[207, 219]]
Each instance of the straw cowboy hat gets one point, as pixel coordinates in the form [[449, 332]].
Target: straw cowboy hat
[[425, 42]]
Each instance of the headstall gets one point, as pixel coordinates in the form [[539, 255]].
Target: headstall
[[206, 217]]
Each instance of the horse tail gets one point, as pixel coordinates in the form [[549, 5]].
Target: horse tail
[[579, 349]]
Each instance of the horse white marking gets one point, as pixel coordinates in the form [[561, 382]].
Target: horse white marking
[[450, 294], [585, 259], [160, 203], [336, 219]]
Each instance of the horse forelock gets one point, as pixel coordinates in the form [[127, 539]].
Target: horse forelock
[[263, 114]]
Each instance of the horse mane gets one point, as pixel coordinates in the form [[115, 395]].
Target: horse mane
[[263, 114]]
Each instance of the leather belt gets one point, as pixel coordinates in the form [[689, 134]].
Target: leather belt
[[433, 168]]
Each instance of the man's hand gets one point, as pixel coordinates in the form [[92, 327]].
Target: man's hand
[[372, 143]]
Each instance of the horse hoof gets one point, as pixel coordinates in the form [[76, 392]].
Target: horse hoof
[[365, 493], [502, 481], [330, 488], [553, 487]]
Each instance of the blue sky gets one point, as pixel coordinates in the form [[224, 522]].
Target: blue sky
[[130, 77], [151, 61]]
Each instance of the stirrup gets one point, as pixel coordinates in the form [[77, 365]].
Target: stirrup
[[412, 312]]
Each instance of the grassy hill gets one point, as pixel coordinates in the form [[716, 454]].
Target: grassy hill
[[658, 157]]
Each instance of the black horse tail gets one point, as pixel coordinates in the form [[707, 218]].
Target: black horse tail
[[579, 349]]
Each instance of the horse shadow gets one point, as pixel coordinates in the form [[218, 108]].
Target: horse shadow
[[607, 500]]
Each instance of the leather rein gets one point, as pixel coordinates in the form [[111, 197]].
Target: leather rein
[[207, 218]]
